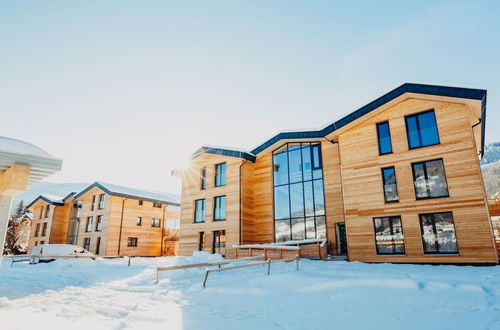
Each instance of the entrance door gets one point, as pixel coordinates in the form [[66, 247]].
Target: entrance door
[[342, 239]]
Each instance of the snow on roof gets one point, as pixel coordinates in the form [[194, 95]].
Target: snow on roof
[[14, 146], [134, 193], [53, 198]]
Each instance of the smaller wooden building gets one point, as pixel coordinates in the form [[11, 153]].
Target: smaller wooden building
[[108, 219]]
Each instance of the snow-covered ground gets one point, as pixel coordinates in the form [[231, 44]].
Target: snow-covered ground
[[106, 294]]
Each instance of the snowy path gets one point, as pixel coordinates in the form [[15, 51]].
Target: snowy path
[[107, 294]]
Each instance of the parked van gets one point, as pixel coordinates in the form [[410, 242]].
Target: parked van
[[57, 250]]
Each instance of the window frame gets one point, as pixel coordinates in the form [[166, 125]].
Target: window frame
[[201, 241], [419, 130], [85, 246], [203, 183], [427, 178], [204, 210], [97, 223], [132, 241], [215, 208], [44, 229], [437, 253], [395, 182], [90, 219], [154, 221], [37, 230], [138, 221], [47, 211], [378, 138], [102, 202], [217, 174], [392, 233]]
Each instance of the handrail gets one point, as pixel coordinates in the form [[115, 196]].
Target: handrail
[[205, 264], [268, 262], [208, 271]]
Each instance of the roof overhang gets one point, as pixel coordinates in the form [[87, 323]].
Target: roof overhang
[[394, 96], [225, 152]]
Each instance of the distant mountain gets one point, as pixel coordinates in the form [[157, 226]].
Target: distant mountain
[[491, 153], [48, 188], [490, 166]]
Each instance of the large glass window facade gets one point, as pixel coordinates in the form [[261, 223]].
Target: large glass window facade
[[430, 179], [421, 130], [389, 236], [438, 233], [299, 202]]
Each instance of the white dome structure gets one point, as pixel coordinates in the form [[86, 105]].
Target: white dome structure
[[21, 164], [13, 151]]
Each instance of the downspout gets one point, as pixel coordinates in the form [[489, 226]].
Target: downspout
[[473, 137], [241, 228], [163, 230], [121, 226], [484, 190]]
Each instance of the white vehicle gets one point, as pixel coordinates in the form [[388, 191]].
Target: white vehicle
[[44, 252]]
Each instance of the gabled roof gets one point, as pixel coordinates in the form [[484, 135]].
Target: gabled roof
[[126, 192], [51, 199], [459, 92], [225, 152]]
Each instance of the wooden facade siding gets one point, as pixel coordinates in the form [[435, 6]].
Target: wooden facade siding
[[151, 241], [353, 186]]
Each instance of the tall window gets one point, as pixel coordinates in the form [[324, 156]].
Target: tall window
[[155, 223], [220, 174], [88, 228], [438, 233], [102, 201], [37, 231], [299, 204], [219, 242], [421, 130], [138, 222], [86, 243], [430, 179], [98, 245], [47, 211], [384, 138], [132, 241], [201, 240], [389, 236], [390, 186], [204, 178], [98, 226], [44, 229], [199, 210], [93, 203], [220, 208], [41, 212]]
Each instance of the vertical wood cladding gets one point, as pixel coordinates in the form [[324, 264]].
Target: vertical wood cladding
[[363, 190]]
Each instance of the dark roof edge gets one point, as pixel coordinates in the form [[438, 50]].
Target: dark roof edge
[[467, 93], [41, 197], [225, 152], [112, 193]]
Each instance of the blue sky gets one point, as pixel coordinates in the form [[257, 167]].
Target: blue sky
[[124, 91]]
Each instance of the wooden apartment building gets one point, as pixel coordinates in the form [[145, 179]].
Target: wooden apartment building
[[108, 219], [397, 180]]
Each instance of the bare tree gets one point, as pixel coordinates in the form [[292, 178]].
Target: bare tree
[[15, 231]]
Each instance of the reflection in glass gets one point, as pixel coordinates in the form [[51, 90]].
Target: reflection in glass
[[438, 233], [389, 237], [298, 192]]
